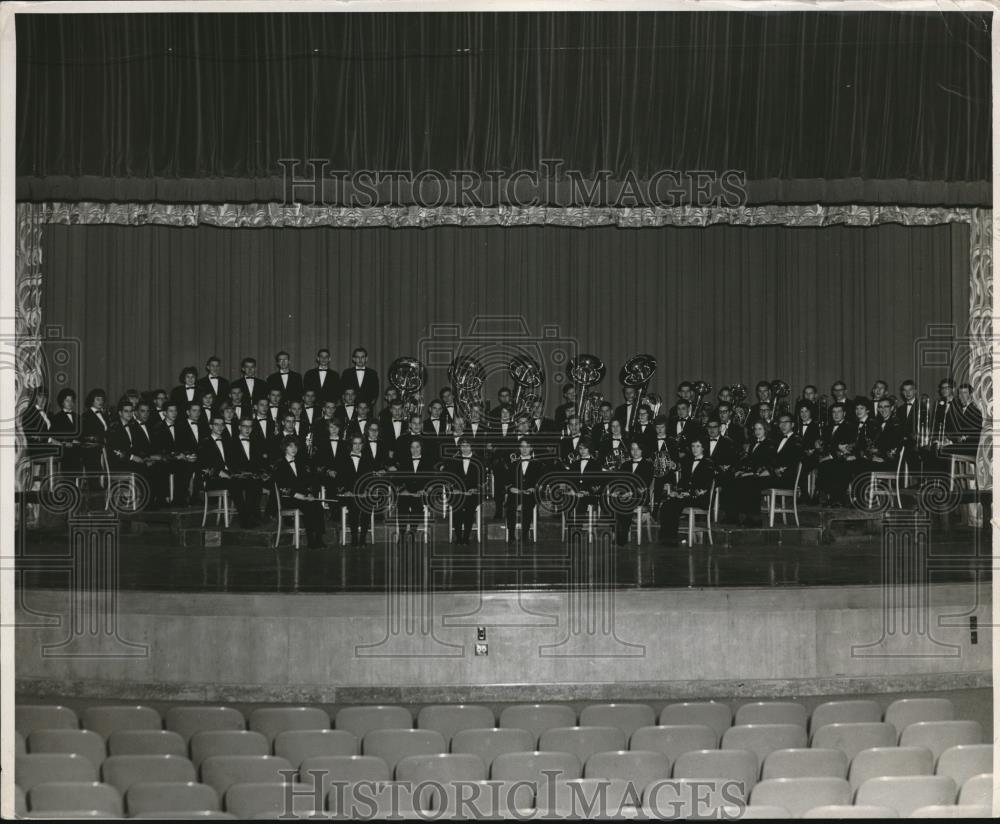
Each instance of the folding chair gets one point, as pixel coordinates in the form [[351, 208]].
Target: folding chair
[[287, 512], [777, 500], [222, 771], [31, 717], [423, 526], [39, 768], [344, 528], [536, 768], [693, 512], [893, 481], [565, 524], [977, 789], [963, 761], [146, 742], [938, 736], [854, 736], [641, 767], [477, 524], [834, 712], [298, 745], [227, 742], [741, 766], [962, 471], [763, 739], [439, 774], [805, 763], [394, 745], [220, 499], [125, 770], [271, 798], [342, 768]]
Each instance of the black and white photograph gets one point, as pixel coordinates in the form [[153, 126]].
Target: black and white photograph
[[457, 411]]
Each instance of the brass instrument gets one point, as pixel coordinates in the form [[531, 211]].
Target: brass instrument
[[701, 388], [823, 411], [528, 378], [780, 390], [740, 412], [408, 375], [636, 372], [653, 403], [467, 380], [924, 421], [662, 464], [615, 457], [586, 371]]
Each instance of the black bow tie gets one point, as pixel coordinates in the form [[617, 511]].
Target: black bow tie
[[244, 439]]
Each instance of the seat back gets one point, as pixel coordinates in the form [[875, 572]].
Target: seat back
[[977, 789], [170, 796], [362, 720], [537, 768], [82, 742], [491, 799], [39, 768], [222, 771], [763, 739], [772, 712], [393, 745], [687, 799], [186, 721], [269, 721], [583, 742], [906, 711], [626, 717], [342, 768], [854, 736], [434, 777], [953, 811], [125, 770], [741, 766], [906, 793], [31, 717], [449, 719], [963, 761], [105, 720], [537, 718], [62, 796], [640, 767], [840, 712], [227, 742], [805, 763], [298, 745], [274, 798], [797, 795], [674, 739], [938, 736], [882, 761], [489, 743], [592, 797], [712, 714], [147, 742], [850, 811]]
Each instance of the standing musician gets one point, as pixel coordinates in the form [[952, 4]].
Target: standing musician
[[215, 460], [907, 417], [837, 445], [838, 391], [521, 488], [275, 407], [693, 489], [187, 392], [321, 379], [741, 495], [94, 428], [880, 389], [296, 486], [436, 425], [213, 381], [505, 400], [263, 425], [285, 379], [469, 470], [36, 422], [253, 387], [477, 428], [361, 379], [447, 398], [626, 412], [354, 466], [179, 447], [642, 469], [567, 408], [411, 479]]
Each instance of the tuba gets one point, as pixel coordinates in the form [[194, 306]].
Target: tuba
[[740, 412], [467, 381], [528, 378], [780, 390], [408, 375], [586, 371], [637, 372]]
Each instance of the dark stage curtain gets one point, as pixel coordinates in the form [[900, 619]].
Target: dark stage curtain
[[720, 304], [813, 108]]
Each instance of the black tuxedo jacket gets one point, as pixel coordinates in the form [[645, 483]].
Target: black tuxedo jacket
[[428, 427], [964, 425], [736, 433], [204, 385], [761, 455], [91, 427], [846, 433], [368, 391], [907, 422], [259, 390], [64, 427], [889, 438], [290, 391], [144, 442], [646, 439], [238, 460], [276, 446], [187, 441], [566, 448], [726, 453], [809, 434], [356, 427], [210, 460], [302, 481], [471, 480], [644, 470], [600, 431], [525, 479], [405, 478], [564, 411], [120, 447], [330, 388], [589, 479], [547, 426], [381, 457], [621, 412], [34, 426], [700, 479], [347, 474], [787, 459], [179, 395], [327, 456]]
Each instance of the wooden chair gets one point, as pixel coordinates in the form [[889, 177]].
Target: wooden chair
[[777, 500], [222, 508], [290, 512], [962, 471], [693, 512], [344, 529], [893, 481], [476, 524]]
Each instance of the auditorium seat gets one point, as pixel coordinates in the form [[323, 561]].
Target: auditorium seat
[[977, 789], [20, 801], [883, 761], [906, 793], [125, 770], [953, 811], [842, 712], [393, 745], [227, 742], [250, 800], [578, 798], [805, 763], [852, 811], [167, 796], [640, 767], [188, 815], [298, 745], [908, 711], [764, 812], [488, 744], [63, 796], [442, 770], [674, 739], [20, 746], [222, 771], [67, 815], [269, 721], [147, 742], [712, 714], [963, 761], [343, 769], [854, 736], [37, 768], [105, 720], [537, 718], [626, 717], [362, 720], [772, 712], [493, 799], [734, 765], [537, 768], [82, 742], [31, 717], [377, 801], [186, 721], [800, 794], [449, 719], [583, 742], [763, 739], [687, 799], [938, 736]]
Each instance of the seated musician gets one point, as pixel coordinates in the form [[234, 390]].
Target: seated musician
[[642, 469], [329, 449], [232, 422], [179, 451], [724, 453], [94, 429], [788, 454], [807, 428], [729, 427], [614, 448], [378, 451], [567, 408], [601, 430], [964, 425], [353, 468], [765, 414], [884, 440], [66, 431], [505, 400], [360, 422], [146, 441], [521, 488], [477, 428], [502, 443], [741, 495], [248, 457], [309, 414], [287, 430], [412, 474], [215, 460], [645, 432], [36, 421], [836, 447], [208, 403], [120, 439], [297, 487], [685, 428], [665, 458], [275, 406], [692, 490], [568, 445], [447, 398], [907, 416], [588, 480], [763, 390], [393, 423], [469, 470]]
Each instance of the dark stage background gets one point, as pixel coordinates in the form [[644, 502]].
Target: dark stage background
[[721, 303]]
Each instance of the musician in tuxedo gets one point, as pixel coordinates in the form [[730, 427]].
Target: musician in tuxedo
[[393, 424], [216, 464], [310, 413], [567, 408], [838, 392], [882, 451], [147, 440], [763, 390], [685, 394], [284, 378], [94, 429], [347, 410], [212, 381], [241, 408], [810, 398], [908, 411], [964, 425], [588, 480], [449, 446], [436, 425], [248, 455], [275, 407], [602, 428], [321, 379], [540, 424], [685, 428], [296, 486], [179, 448], [231, 423], [880, 389], [615, 446], [627, 412], [693, 489], [192, 430], [253, 388], [502, 442], [807, 428], [724, 453], [729, 427], [788, 453], [66, 428], [641, 469], [187, 389], [468, 470], [209, 405], [505, 400], [477, 428], [645, 432], [361, 421], [355, 466], [521, 488], [330, 450], [412, 475], [450, 409], [121, 454], [263, 428], [360, 378], [834, 473], [159, 398], [414, 432], [568, 446], [378, 451], [741, 495], [287, 430]]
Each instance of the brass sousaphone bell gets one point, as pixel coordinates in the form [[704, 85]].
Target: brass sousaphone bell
[[528, 378], [585, 371], [637, 372], [408, 375]]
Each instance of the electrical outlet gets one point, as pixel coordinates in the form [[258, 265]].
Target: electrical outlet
[[482, 649], [480, 633]]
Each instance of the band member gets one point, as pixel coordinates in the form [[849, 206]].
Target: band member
[[880, 389], [741, 495], [477, 428], [643, 470], [505, 400], [179, 449], [248, 456], [360, 378], [838, 391], [449, 446], [288, 430], [193, 428], [763, 390], [539, 423], [685, 428], [285, 379], [347, 410], [501, 444], [354, 467], [788, 453], [724, 453], [615, 446], [378, 451], [213, 381], [394, 425], [414, 432], [241, 409], [264, 427], [36, 422], [412, 475], [361, 421], [214, 461], [321, 379], [729, 427], [964, 425], [468, 469], [602, 428], [160, 398], [645, 432], [838, 438], [567, 408], [888, 440], [275, 406], [94, 429], [685, 393], [447, 398], [187, 392], [296, 487], [693, 489], [231, 423], [330, 450], [808, 431], [146, 442], [208, 404], [253, 387], [120, 442], [436, 425], [625, 413], [908, 411], [810, 397], [327, 414], [521, 488], [588, 479], [568, 446], [310, 413], [66, 426]]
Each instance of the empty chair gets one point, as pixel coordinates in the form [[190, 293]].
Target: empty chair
[[125, 770], [227, 742], [393, 745], [800, 794], [20, 801], [908, 711], [62, 796], [188, 815], [855, 736], [687, 798], [269, 721], [449, 719], [674, 739], [442, 770], [109, 719], [735, 765], [374, 800], [38, 768], [879, 761], [488, 744], [82, 742], [712, 714], [492, 799], [186, 721], [640, 767], [342, 768], [938, 736], [537, 718], [626, 717], [767, 812], [31, 717], [249, 800], [583, 742], [222, 771], [963, 761], [978, 789], [906, 793], [170, 796], [772, 712], [851, 811], [298, 745], [362, 720], [67, 815], [843, 712], [591, 797], [146, 742], [953, 811], [763, 739], [536, 768], [805, 763]]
